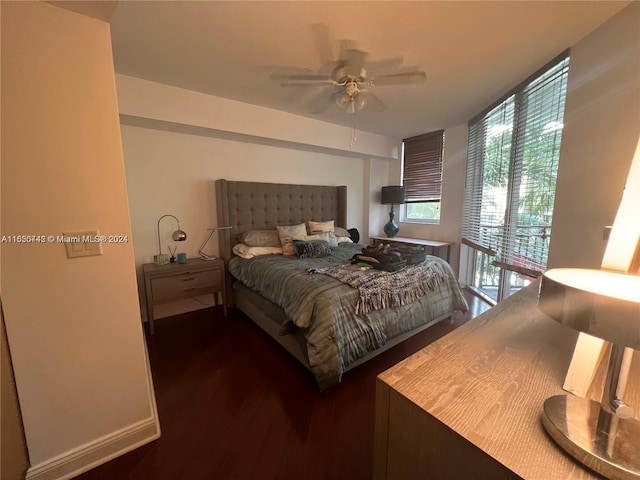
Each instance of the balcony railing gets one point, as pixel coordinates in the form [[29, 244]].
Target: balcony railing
[[529, 251]]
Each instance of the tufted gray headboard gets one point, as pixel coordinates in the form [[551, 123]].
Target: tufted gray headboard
[[262, 206]]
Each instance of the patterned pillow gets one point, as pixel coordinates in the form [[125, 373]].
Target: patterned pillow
[[290, 233], [312, 248], [316, 227]]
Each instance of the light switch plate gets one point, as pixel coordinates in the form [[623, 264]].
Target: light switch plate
[[86, 243]]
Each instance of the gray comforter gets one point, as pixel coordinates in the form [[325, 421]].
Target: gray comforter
[[326, 308]]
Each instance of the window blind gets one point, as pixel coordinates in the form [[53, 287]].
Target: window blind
[[422, 174], [512, 164]]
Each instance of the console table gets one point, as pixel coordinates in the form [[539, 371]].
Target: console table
[[434, 245], [175, 281], [469, 404]]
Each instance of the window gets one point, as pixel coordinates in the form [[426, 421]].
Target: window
[[422, 176], [511, 180]]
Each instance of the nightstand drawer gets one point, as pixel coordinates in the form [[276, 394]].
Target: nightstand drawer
[[185, 284]]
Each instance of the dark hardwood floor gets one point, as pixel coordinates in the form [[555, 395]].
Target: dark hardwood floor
[[234, 405]]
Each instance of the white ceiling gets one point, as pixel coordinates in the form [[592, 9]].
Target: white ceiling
[[472, 52]]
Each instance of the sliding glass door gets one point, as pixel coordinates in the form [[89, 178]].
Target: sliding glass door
[[510, 184]]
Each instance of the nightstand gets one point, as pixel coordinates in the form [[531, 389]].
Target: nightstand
[[175, 281], [434, 245]]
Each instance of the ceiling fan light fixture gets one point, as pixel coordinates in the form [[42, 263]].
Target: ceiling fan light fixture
[[343, 100], [351, 107], [350, 77], [360, 100]]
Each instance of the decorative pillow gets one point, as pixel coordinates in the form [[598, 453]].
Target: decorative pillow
[[288, 235], [260, 238], [328, 237], [245, 251], [316, 227], [344, 240], [312, 248]]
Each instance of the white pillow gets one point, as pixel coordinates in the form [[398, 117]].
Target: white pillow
[[247, 252], [344, 240]]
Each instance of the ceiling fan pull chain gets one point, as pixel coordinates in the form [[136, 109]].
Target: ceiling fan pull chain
[[353, 137]]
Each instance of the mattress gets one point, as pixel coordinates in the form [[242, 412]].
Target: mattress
[[336, 331]]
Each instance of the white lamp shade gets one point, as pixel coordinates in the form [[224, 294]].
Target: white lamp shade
[[600, 303]]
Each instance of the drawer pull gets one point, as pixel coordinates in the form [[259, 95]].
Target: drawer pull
[[188, 279]]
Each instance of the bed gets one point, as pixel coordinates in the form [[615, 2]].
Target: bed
[[319, 319]]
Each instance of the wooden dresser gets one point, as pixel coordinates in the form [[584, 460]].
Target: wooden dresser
[[469, 405], [434, 246], [175, 281]]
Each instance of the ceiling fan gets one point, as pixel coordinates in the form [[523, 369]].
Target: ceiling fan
[[348, 83]]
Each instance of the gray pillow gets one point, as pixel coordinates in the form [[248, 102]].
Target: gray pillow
[[260, 238], [341, 232]]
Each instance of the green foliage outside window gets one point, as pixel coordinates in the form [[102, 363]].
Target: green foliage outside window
[[428, 211]]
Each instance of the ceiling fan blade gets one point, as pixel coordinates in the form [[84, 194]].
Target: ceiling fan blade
[[400, 78], [384, 65], [374, 102], [354, 61], [322, 41], [307, 80], [319, 102]]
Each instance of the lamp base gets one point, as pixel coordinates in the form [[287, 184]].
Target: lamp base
[[596, 438], [391, 228]]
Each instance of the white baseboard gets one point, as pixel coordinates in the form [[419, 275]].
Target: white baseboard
[[86, 457]]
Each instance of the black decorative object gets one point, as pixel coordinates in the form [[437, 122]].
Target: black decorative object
[[392, 195]]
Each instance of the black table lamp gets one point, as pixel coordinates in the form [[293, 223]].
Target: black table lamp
[[390, 196]]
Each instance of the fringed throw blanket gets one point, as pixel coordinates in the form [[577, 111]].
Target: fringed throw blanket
[[379, 289]]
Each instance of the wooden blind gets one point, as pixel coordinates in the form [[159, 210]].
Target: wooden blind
[[422, 174]]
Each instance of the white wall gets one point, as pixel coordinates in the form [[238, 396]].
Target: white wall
[[174, 173], [380, 173], [73, 325], [450, 226], [143, 99], [602, 128], [178, 142]]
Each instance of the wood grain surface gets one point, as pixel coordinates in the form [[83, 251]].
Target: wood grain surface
[[480, 390]]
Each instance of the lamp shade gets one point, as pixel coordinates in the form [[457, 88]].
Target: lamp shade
[[601, 303], [179, 236], [392, 195], [602, 435]]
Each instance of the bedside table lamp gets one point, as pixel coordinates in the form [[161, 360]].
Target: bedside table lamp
[[603, 436], [392, 195], [178, 236], [204, 256]]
